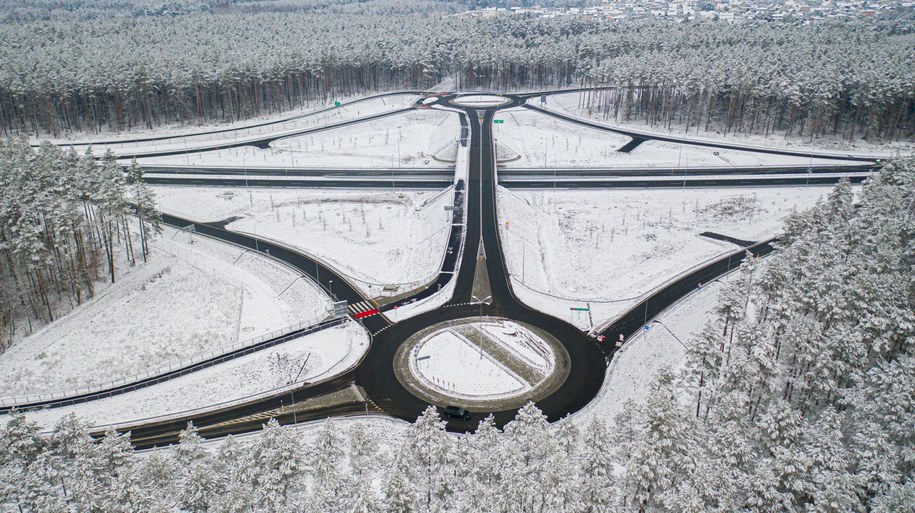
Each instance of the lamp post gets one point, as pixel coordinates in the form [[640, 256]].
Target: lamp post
[[481, 302]]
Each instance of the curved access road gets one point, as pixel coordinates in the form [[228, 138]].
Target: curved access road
[[375, 374], [157, 138], [643, 135]]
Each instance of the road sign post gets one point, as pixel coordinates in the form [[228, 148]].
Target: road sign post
[[341, 308]]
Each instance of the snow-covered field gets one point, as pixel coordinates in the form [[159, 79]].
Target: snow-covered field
[[191, 135], [375, 237], [543, 141], [189, 298], [409, 139], [569, 103], [522, 343], [603, 249], [329, 352], [638, 362], [448, 363]]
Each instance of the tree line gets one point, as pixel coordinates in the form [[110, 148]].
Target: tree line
[[850, 78], [63, 217], [797, 396]]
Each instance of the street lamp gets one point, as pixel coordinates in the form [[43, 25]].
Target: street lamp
[[399, 135], [671, 333], [331, 285], [481, 302]]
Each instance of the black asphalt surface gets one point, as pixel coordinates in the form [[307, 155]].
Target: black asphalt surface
[[375, 373], [693, 183], [333, 283], [438, 172], [329, 183], [679, 172], [636, 318], [726, 238], [176, 373]]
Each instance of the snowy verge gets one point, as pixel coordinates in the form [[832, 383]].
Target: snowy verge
[[193, 295], [605, 249], [177, 137], [407, 139], [544, 141], [570, 103], [328, 352], [375, 238], [637, 363]]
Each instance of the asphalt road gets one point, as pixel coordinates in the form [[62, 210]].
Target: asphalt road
[[677, 172], [690, 183], [104, 142], [636, 134], [375, 373]]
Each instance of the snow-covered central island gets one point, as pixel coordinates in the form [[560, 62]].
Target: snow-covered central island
[[472, 363]]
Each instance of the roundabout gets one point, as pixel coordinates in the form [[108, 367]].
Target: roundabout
[[494, 364], [480, 101], [462, 353]]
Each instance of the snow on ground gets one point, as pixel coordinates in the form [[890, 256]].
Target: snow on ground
[[665, 154], [638, 362], [543, 141], [480, 100], [329, 352], [604, 249], [188, 299], [569, 103], [450, 364], [522, 343], [424, 305], [375, 237], [408, 139], [242, 128]]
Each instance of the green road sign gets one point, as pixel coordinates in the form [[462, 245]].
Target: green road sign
[[336, 104], [498, 121], [580, 309]]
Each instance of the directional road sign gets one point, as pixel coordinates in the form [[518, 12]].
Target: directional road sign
[[340, 308]]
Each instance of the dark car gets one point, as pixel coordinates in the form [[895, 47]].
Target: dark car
[[457, 412]]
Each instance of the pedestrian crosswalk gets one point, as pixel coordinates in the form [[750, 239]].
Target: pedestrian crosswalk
[[362, 306], [363, 309]]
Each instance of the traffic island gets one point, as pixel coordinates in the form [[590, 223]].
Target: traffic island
[[493, 365]]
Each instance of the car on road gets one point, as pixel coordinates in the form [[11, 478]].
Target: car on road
[[457, 412]]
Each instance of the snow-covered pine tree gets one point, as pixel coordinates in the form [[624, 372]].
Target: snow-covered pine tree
[[597, 486], [329, 490], [480, 485], [427, 452], [276, 467]]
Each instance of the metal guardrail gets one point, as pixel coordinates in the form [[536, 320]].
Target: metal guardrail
[[601, 327], [192, 363], [314, 380]]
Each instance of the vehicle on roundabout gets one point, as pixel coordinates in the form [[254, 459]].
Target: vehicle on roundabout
[[456, 412]]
